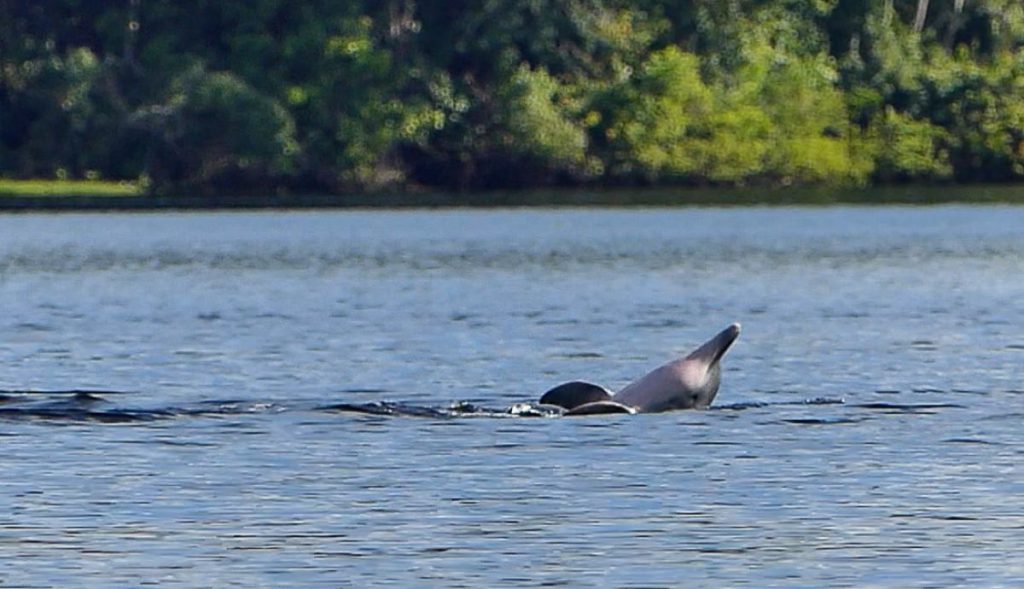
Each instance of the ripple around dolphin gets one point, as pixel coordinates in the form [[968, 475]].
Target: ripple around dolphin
[[69, 405], [75, 405], [93, 406], [457, 409]]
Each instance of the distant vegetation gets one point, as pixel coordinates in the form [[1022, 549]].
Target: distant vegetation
[[331, 96]]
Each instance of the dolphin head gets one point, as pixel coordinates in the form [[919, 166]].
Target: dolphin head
[[702, 370], [687, 383]]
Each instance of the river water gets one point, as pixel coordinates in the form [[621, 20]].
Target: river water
[[170, 386]]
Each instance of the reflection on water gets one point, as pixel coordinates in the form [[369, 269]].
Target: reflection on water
[[202, 370]]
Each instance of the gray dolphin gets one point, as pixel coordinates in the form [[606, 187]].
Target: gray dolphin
[[685, 383]]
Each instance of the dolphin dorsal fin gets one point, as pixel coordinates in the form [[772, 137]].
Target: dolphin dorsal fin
[[570, 395]]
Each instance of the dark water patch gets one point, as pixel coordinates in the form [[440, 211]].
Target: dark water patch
[[70, 414], [742, 406], [935, 516], [968, 392], [175, 443], [971, 441], [925, 408], [35, 327], [386, 408], [196, 353], [577, 355], [273, 315], [78, 405], [555, 322], [832, 314], [821, 420], [666, 323], [79, 393], [1014, 416], [166, 441], [87, 397]]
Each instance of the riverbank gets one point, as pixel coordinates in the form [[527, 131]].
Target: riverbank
[[102, 196]]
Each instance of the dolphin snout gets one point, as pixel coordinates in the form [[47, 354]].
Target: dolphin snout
[[726, 338], [716, 347]]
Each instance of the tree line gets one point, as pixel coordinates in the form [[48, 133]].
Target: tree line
[[322, 95]]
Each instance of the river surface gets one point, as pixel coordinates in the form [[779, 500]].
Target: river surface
[[170, 388]]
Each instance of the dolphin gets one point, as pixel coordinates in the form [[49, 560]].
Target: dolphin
[[685, 383]]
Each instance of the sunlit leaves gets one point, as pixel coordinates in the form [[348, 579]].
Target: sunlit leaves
[[540, 119], [328, 95], [907, 149]]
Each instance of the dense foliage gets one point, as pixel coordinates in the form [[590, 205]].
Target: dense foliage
[[337, 95]]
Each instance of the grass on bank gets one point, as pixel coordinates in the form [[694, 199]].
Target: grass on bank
[[56, 194], [58, 188]]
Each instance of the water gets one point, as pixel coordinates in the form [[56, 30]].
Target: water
[[214, 345]]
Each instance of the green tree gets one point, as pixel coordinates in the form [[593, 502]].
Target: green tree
[[652, 124], [907, 149], [214, 128], [326, 95]]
